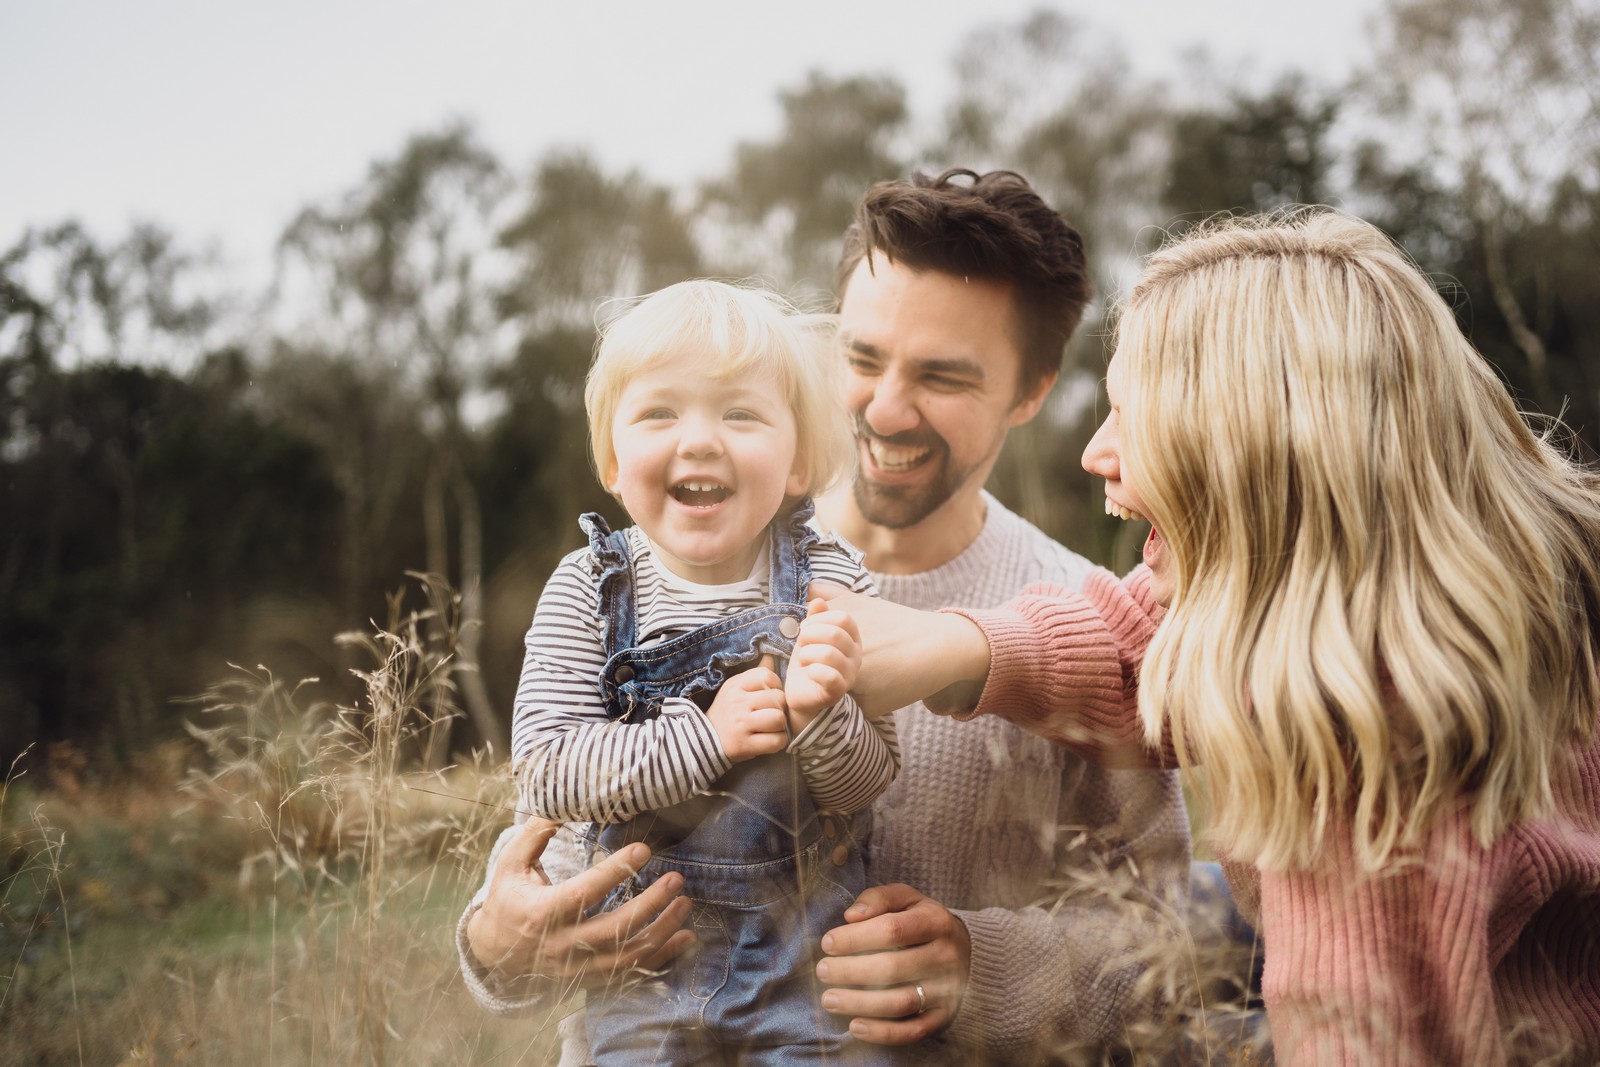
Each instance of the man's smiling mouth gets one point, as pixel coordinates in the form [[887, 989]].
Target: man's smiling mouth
[[889, 458]]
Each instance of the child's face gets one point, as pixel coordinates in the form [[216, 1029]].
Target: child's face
[[703, 466]]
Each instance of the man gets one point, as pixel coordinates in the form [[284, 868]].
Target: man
[[957, 297]]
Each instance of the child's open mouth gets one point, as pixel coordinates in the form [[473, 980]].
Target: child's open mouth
[[700, 494]]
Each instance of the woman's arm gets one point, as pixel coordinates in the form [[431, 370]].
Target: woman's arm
[[1058, 663]]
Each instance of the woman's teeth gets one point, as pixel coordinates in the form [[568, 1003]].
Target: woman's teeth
[[1125, 514]]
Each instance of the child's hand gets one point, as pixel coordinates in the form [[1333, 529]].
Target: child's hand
[[826, 660], [747, 713]]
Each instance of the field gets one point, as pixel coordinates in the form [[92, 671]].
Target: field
[[281, 888]]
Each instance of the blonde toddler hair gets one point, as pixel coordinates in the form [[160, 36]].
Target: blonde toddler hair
[[721, 330], [1387, 587]]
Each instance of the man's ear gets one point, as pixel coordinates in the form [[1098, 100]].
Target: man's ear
[[1025, 409]]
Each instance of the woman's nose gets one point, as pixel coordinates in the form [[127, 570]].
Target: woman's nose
[[1101, 457]]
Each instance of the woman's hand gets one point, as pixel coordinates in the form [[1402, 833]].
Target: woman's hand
[[910, 655]]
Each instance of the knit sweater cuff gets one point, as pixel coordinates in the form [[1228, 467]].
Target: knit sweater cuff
[[481, 984], [987, 1015], [1061, 663]]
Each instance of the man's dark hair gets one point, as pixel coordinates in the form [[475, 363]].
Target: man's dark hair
[[991, 226]]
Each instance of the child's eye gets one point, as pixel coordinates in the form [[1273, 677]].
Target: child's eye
[[657, 413], [741, 415]]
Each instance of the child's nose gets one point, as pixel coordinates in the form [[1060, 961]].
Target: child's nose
[[699, 435]]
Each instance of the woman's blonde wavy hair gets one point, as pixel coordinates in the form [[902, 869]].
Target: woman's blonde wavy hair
[[1386, 586]]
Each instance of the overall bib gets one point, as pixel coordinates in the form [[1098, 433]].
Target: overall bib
[[766, 875]]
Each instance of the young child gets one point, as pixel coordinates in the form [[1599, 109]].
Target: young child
[[655, 704]]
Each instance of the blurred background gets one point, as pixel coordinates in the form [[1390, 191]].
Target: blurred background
[[297, 301]]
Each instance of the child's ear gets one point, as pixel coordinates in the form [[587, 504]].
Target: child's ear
[[608, 477], [799, 483]]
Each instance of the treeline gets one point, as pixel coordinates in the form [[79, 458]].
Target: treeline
[[192, 477]]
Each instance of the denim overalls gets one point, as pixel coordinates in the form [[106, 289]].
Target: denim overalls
[[767, 877]]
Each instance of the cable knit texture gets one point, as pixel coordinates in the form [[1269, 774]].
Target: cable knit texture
[[983, 817], [1456, 954], [994, 822]]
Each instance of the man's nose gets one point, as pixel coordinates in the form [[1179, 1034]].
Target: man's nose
[[891, 409]]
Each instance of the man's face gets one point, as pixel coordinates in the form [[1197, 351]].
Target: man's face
[[934, 371]]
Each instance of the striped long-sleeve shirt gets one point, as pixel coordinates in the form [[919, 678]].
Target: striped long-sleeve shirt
[[574, 764]]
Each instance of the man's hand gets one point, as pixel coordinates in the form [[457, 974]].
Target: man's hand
[[747, 713], [896, 940], [824, 665], [530, 933]]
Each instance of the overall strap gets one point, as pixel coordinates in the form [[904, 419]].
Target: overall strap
[[614, 599], [790, 565]]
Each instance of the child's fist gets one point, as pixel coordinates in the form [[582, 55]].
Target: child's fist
[[826, 660], [748, 713]]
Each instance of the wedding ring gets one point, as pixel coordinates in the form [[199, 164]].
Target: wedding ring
[[922, 1001]]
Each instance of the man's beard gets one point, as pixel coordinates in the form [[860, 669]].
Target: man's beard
[[897, 507]]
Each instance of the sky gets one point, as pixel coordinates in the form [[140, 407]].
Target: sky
[[221, 120]]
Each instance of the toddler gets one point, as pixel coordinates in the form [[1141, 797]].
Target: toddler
[[678, 690]]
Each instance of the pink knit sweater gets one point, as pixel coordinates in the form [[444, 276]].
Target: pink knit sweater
[[1460, 954]]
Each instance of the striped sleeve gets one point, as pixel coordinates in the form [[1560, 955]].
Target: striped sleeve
[[571, 762], [847, 759]]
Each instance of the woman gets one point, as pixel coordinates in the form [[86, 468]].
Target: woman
[[1370, 608]]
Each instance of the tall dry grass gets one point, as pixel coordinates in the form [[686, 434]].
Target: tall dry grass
[[281, 889]]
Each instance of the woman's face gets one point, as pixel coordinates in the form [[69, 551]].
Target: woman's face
[[1103, 458]]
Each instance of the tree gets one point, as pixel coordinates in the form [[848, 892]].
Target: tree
[[800, 189], [1255, 153], [402, 267], [1488, 169], [1502, 102], [148, 513]]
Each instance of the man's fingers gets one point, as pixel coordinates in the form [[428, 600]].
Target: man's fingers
[[900, 1031], [639, 913], [522, 852], [583, 891], [880, 900], [878, 968]]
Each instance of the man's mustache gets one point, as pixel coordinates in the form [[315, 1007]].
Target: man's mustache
[[904, 439]]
